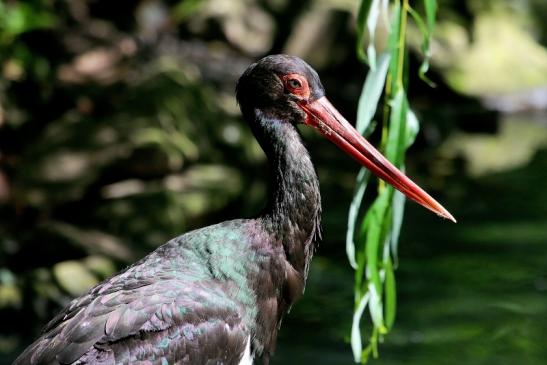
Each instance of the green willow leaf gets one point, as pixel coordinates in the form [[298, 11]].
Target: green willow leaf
[[393, 45], [362, 180], [398, 212], [398, 203], [356, 342], [396, 144], [385, 12], [420, 23], [375, 307], [370, 95], [412, 128], [426, 28], [380, 227], [431, 13], [390, 295], [368, 101], [374, 230], [362, 16], [372, 21]]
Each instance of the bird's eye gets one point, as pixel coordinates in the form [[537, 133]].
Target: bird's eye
[[294, 83]]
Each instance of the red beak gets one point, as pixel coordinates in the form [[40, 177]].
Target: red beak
[[328, 121]]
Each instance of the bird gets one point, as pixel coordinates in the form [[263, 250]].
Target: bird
[[217, 295]]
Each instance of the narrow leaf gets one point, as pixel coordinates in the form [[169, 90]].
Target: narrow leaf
[[375, 307], [362, 180], [430, 13], [390, 295], [412, 128], [398, 212], [393, 45], [370, 95], [426, 28], [372, 21], [396, 144], [419, 21], [385, 12], [381, 225], [362, 16], [356, 342], [375, 224]]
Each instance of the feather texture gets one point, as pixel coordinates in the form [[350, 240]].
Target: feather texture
[[214, 295]]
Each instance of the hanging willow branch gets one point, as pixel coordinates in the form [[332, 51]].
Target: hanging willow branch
[[371, 242]]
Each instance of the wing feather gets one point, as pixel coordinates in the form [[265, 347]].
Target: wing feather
[[169, 304]]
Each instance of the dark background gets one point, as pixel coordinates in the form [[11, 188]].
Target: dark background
[[119, 130]]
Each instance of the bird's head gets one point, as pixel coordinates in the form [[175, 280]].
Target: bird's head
[[277, 85], [285, 88]]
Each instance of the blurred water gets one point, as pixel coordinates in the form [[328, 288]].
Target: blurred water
[[471, 293]]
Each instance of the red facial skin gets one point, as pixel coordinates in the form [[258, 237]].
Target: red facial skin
[[323, 116], [302, 91]]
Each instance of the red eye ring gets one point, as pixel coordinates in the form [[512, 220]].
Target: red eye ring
[[297, 85], [294, 83]]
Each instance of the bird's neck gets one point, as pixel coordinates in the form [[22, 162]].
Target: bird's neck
[[293, 212]]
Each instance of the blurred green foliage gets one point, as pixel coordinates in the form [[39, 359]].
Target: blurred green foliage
[[372, 251], [109, 147], [119, 130]]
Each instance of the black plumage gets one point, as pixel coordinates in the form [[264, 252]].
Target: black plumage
[[201, 296], [217, 295]]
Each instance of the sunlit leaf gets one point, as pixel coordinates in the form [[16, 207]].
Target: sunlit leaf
[[74, 277], [361, 185], [412, 128], [398, 211], [385, 12], [380, 228], [422, 72], [372, 21], [370, 95], [356, 342], [101, 266], [375, 307]]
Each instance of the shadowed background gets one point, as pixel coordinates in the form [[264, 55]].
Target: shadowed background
[[119, 130]]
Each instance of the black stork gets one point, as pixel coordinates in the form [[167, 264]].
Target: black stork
[[217, 295]]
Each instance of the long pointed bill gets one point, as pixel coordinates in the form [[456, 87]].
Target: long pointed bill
[[326, 119]]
